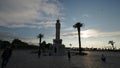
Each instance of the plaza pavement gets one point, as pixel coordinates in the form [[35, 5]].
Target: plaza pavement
[[26, 59]]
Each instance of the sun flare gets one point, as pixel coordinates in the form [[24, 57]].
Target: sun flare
[[85, 34], [88, 33]]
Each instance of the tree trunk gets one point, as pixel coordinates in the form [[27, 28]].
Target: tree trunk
[[39, 48], [79, 37], [113, 47], [40, 42]]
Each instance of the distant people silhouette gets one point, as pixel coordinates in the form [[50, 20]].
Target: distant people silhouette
[[6, 56], [69, 55], [103, 58]]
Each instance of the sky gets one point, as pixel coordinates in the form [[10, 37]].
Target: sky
[[25, 19]]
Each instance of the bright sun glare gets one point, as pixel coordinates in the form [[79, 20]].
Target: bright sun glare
[[88, 33], [85, 34]]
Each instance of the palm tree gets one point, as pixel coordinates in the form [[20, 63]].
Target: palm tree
[[78, 25], [112, 43], [40, 36]]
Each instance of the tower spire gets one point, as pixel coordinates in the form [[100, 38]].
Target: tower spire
[[58, 29]]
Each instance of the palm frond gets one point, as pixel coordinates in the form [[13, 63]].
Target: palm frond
[[111, 42], [40, 36], [78, 25]]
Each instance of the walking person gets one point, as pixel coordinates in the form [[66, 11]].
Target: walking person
[[6, 56], [39, 53], [69, 55], [55, 50], [103, 58]]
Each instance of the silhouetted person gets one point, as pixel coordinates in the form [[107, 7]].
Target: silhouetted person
[[69, 55], [55, 50], [50, 53], [39, 53], [103, 58], [6, 56]]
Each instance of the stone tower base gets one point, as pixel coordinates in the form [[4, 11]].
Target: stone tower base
[[59, 49]]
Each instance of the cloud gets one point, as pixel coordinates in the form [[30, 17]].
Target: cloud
[[74, 19], [68, 29], [91, 33], [70, 34], [21, 13], [82, 17], [95, 33], [4, 35], [85, 16], [33, 25], [7, 35]]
